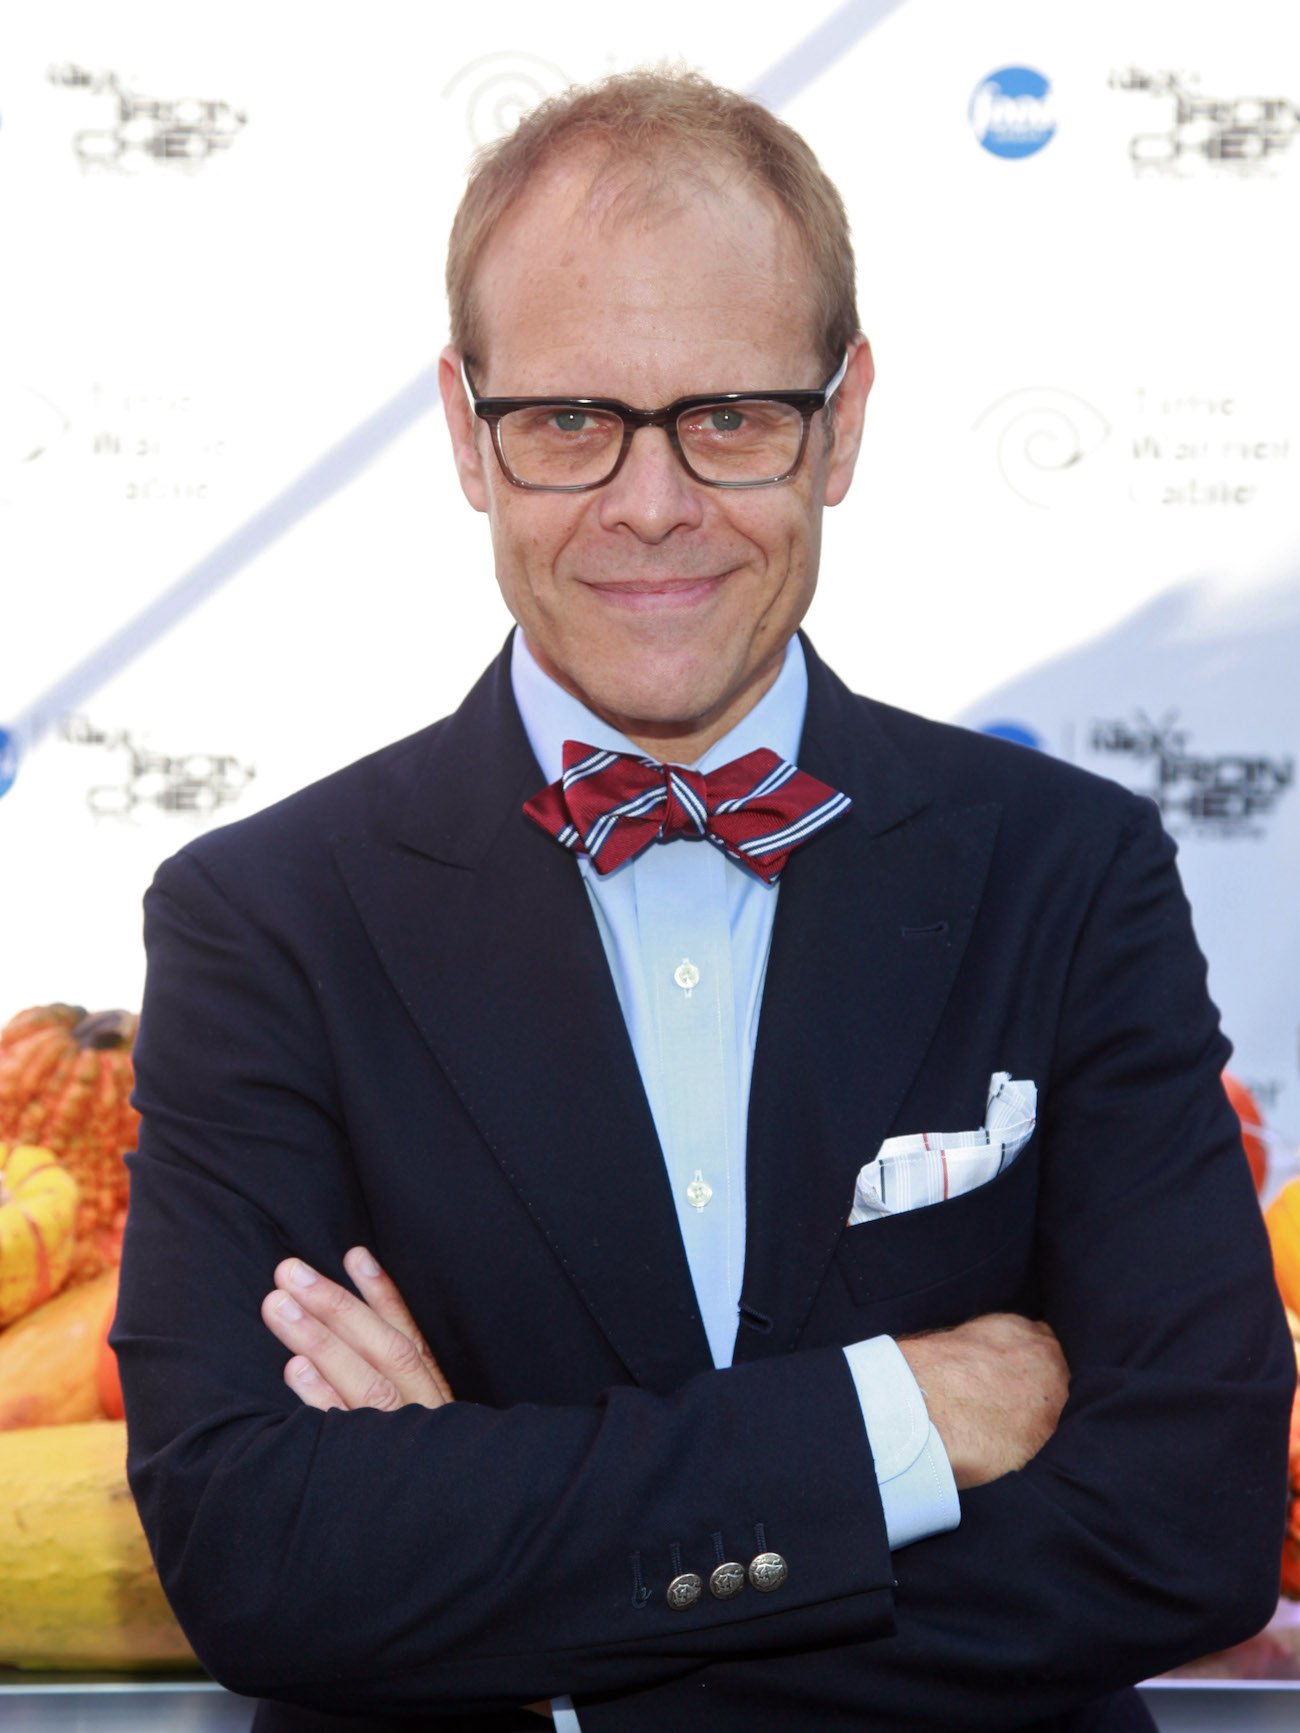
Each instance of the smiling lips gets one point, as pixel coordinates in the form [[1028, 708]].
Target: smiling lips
[[650, 595]]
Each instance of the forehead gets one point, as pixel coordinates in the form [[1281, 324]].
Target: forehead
[[606, 281]]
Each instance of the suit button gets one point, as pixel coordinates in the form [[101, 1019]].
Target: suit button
[[768, 1571], [727, 1581], [685, 1590]]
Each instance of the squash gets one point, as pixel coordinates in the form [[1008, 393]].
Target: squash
[[65, 1081], [1282, 1219], [1246, 1108], [49, 1360], [38, 1211], [77, 1584]]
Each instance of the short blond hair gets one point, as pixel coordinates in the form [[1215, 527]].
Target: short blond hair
[[644, 124]]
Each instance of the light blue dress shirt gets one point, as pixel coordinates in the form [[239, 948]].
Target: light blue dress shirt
[[686, 932]]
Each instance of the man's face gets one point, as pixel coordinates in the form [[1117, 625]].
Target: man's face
[[663, 604]]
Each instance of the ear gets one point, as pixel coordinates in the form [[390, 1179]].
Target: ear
[[850, 409], [463, 426]]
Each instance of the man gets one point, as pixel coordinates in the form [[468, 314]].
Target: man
[[427, 1010]]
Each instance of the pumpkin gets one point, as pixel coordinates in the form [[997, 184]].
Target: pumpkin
[[65, 1082], [49, 1360], [1252, 1124], [38, 1210], [1282, 1219], [77, 1584]]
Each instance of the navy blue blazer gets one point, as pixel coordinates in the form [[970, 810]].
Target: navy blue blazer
[[379, 1011]]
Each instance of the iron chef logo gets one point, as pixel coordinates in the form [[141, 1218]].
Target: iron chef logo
[[170, 132], [1246, 134], [197, 783], [1226, 794]]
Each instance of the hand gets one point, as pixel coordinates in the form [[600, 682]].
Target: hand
[[354, 1353], [995, 1387], [350, 1352]]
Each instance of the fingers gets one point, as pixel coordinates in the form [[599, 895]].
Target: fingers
[[379, 1291], [360, 1358], [308, 1385]]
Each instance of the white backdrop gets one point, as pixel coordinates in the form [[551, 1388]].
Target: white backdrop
[[233, 552]]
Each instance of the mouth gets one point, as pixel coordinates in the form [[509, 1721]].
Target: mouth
[[658, 595]]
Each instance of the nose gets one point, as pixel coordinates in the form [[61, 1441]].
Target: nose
[[651, 495]]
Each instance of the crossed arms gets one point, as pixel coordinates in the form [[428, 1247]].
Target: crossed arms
[[476, 1555]]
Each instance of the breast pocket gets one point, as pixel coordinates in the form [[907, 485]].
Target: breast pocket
[[951, 1260]]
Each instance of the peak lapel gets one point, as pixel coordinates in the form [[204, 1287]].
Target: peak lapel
[[850, 1004], [484, 928]]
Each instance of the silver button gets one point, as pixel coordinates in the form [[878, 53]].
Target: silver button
[[768, 1571], [685, 1590], [727, 1581], [699, 1191], [687, 976]]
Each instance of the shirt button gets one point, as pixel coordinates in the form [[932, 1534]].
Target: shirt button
[[687, 976], [699, 1191]]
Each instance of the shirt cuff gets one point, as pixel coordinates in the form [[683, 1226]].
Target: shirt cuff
[[917, 1490], [564, 1715]]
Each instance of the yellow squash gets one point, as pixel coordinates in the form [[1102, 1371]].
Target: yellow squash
[[77, 1585], [38, 1213]]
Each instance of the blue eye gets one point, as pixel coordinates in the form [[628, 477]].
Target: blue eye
[[726, 420], [570, 420]]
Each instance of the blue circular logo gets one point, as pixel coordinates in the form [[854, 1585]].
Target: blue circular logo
[[1019, 733], [1012, 112], [8, 760]]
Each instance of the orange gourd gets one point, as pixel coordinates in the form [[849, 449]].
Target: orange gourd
[[1282, 1219], [1252, 1124], [107, 1381], [1291, 1540], [65, 1082], [49, 1360], [38, 1212]]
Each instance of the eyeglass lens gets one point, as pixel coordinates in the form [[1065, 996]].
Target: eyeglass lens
[[557, 445]]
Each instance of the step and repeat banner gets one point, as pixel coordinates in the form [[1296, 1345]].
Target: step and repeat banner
[[234, 554]]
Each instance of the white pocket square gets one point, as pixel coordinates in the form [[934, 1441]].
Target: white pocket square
[[928, 1166]]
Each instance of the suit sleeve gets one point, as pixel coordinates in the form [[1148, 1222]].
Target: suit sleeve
[[463, 1559], [1147, 1532]]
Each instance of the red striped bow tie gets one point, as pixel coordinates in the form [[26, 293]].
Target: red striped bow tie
[[609, 806]]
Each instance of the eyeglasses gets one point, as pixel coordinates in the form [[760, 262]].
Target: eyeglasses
[[573, 444]]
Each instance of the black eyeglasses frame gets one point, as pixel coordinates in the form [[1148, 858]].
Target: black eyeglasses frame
[[493, 409]]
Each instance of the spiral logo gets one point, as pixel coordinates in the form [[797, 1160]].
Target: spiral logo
[[1040, 435], [498, 88], [29, 424]]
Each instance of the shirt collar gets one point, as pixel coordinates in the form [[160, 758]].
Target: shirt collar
[[551, 715]]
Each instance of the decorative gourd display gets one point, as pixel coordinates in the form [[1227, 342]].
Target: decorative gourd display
[[1282, 1219], [1252, 1124], [50, 1360], [77, 1585], [1291, 1540], [38, 1212], [65, 1081]]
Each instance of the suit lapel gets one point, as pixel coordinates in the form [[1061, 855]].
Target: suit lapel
[[851, 999], [484, 928]]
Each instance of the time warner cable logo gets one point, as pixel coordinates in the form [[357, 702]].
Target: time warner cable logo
[[1012, 112]]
